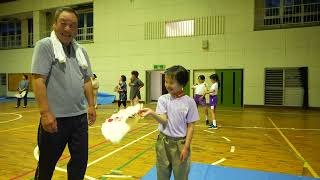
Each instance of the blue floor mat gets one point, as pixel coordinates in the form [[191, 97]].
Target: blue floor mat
[[13, 99], [105, 98], [208, 172]]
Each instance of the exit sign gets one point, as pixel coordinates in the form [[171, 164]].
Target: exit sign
[[159, 67]]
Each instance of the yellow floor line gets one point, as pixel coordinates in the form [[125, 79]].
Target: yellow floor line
[[16, 128], [306, 164]]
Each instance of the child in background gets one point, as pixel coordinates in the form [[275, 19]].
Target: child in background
[[176, 114], [95, 86], [23, 86], [213, 99], [135, 85], [200, 89], [122, 89]]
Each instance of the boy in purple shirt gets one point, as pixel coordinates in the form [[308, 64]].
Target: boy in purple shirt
[[176, 114]]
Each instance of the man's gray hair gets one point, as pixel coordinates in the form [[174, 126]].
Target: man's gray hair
[[63, 9]]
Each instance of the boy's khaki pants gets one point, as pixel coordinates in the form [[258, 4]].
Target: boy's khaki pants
[[168, 150]]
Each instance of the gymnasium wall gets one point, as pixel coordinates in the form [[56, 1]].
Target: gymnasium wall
[[119, 44], [24, 6]]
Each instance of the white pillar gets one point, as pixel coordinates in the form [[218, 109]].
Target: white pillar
[[24, 33], [259, 14], [39, 25]]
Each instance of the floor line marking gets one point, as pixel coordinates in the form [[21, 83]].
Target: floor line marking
[[109, 154], [306, 164], [219, 161], [232, 149]]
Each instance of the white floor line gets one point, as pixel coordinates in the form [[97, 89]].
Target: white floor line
[[232, 149], [209, 131], [36, 156], [19, 111], [259, 127], [226, 138], [219, 161], [109, 154], [264, 112], [15, 119]]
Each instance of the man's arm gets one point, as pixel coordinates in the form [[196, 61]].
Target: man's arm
[[40, 92], [89, 95], [130, 82], [89, 92], [48, 120]]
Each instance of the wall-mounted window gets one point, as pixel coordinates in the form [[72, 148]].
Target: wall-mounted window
[[286, 13], [180, 28], [198, 26], [85, 23], [10, 34], [286, 86], [85, 29]]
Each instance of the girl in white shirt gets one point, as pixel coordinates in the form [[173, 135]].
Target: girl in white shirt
[[213, 99], [199, 95]]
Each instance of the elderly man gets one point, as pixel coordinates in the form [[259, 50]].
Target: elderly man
[[61, 72]]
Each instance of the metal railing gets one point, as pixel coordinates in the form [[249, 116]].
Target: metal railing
[[85, 34], [10, 41], [302, 14], [30, 40], [15, 41]]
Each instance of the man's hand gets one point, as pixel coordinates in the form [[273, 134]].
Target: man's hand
[[49, 122], [91, 115]]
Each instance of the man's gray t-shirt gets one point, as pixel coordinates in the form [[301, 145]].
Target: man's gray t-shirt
[[65, 81]]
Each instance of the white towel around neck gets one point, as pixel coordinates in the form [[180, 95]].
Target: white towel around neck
[[61, 56]]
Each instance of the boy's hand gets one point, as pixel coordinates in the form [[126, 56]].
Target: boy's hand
[[184, 154], [145, 112]]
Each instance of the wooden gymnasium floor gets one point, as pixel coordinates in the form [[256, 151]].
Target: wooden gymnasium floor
[[273, 140]]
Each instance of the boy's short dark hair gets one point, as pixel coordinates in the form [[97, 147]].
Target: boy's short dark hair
[[123, 78], [202, 77], [25, 76], [214, 77], [135, 73], [179, 73]]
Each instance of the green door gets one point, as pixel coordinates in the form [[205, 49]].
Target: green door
[[230, 87], [147, 87]]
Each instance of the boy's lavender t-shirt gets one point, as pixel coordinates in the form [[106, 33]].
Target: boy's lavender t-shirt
[[180, 111]]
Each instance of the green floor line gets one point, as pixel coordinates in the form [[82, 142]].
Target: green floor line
[[130, 160], [104, 146]]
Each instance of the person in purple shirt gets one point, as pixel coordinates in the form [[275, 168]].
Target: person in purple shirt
[[176, 114]]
